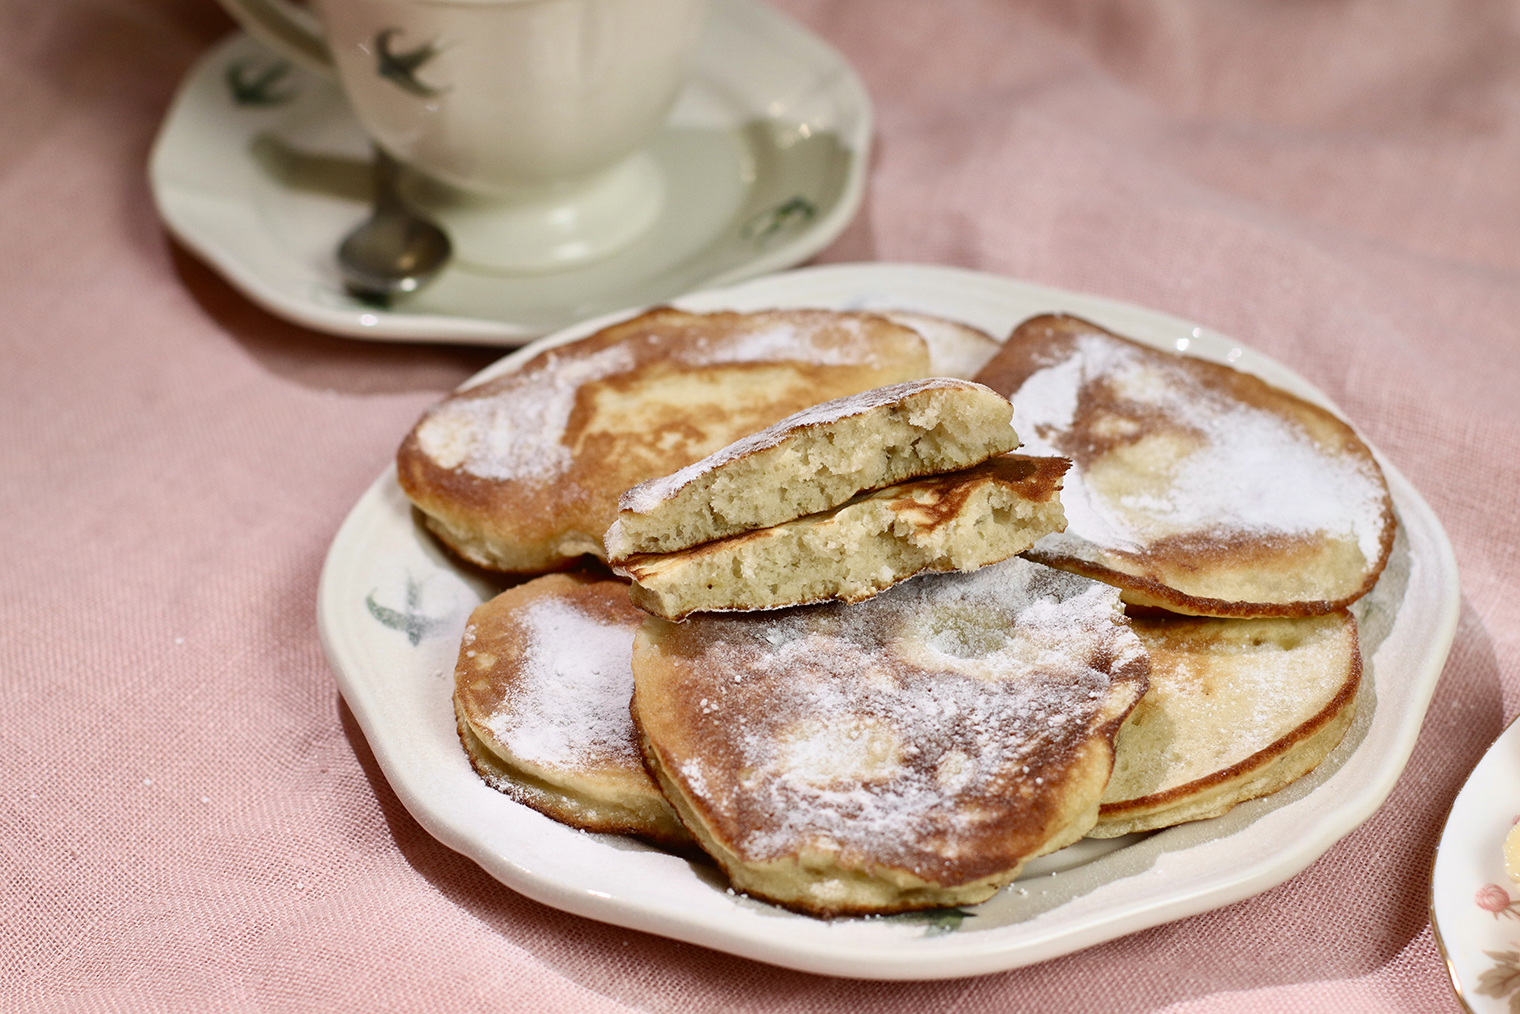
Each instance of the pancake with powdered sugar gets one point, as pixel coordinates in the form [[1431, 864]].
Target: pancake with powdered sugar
[[911, 751], [541, 694], [953, 521], [1194, 487], [522, 473], [813, 461], [1236, 709]]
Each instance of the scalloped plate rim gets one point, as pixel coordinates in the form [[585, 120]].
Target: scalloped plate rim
[[876, 949]]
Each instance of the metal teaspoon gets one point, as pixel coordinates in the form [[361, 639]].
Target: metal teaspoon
[[396, 250]]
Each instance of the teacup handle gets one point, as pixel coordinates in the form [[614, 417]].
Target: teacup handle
[[286, 27]]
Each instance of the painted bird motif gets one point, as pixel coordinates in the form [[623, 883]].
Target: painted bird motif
[[411, 621], [252, 86], [401, 68]]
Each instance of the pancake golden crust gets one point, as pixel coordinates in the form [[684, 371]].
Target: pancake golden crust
[[1195, 488], [955, 521], [541, 694], [522, 473], [908, 752], [1236, 709], [815, 460]]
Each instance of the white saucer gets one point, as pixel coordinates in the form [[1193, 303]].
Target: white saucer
[[1474, 907], [391, 607], [261, 169]]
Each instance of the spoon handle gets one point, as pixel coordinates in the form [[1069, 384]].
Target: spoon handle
[[385, 172]]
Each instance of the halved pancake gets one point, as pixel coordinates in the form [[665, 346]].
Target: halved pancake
[[911, 751], [1194, 487], [522, 473], [541, 695], [815, 460], [955, 349], [955, 521], [1236, 709]]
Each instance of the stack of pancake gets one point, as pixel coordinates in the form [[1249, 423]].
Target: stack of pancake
[[838, 501], [772, 686], [1202, 491]]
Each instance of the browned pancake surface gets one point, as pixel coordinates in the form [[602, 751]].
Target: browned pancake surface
[[542, 690], [936, 736], [936, 500], [522, 473], [1236, 709], [1195, 487]]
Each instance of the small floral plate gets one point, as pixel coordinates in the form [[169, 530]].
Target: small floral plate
[[1474, 907]]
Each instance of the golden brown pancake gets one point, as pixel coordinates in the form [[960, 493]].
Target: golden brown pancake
[[541, 695], [522, 473], [955, 521], [1194, 487], [1236, 709], [815, 460], [911, 751]]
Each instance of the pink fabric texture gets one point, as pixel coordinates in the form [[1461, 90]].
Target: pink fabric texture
[[192, 821]]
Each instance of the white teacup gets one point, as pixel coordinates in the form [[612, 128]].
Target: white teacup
[[533, 113]]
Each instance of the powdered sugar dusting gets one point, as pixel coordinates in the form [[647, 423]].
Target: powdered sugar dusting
[[1225, 465], [1231, 688], [646, 496], [567, 706], [908, 726], [778, 339], [512, 428], [514, 432], [1249, 714]]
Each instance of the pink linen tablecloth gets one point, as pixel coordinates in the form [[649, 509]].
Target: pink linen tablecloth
[[192, 821]]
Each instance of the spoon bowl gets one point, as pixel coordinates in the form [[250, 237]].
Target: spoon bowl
[[396, 250]]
